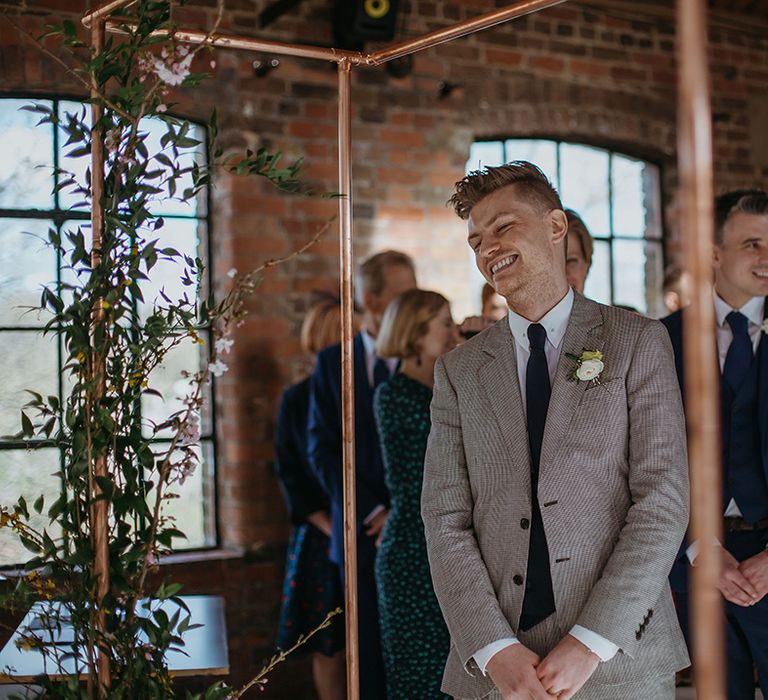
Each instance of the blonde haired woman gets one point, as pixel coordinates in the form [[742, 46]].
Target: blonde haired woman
[[417, 329], [312, 586]]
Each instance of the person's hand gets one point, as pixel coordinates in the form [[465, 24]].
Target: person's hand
[[734, 584], [567, 668], [375, 527], [756, 571], [472, 325], [321, 519], [513, 671]]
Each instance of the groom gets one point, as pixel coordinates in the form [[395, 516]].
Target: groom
[[555, 489]]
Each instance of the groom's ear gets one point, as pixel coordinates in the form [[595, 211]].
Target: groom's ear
[[559, 223]]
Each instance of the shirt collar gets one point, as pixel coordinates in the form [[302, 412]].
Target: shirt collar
[[753, 309], [369, 343], [555, 321]]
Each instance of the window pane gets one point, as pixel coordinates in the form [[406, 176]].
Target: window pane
[[68, 199], [26, 168], [632, 198], [654, 279], [27, 263], [186, 236], [168, 380], [193, 507], [629, 273], [155, 129], [485, 153], [28, 473], [598, 284], [30, 361], [584, 185], [536, 151]]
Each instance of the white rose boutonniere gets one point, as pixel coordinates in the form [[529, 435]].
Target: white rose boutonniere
[[589, 366]]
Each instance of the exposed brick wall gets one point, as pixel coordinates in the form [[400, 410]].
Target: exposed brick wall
[[603, 77]]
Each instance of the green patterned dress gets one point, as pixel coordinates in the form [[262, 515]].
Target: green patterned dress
[[414, 636]]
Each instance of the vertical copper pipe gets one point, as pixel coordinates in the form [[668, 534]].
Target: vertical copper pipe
[[701, 361], [99, 524], [347, 379]]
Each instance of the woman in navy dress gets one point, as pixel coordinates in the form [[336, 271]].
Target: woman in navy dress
[[312, 587], [417, 328]]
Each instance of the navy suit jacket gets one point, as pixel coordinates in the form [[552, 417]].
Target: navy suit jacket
[[674, 325], [324, 442]]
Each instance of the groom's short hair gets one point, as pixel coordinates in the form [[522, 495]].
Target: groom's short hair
[[743, 201], [528, 178]]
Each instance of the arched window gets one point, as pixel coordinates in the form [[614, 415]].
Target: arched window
[[618, 197], [32, 157]]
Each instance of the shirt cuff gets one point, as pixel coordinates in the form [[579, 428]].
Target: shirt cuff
[[693, 550], [597, 644], [368, 518], [485, 654]]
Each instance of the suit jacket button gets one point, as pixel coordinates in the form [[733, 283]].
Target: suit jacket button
[[518, 579], [525, 523]]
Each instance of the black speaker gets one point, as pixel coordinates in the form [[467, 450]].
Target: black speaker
[[358, 21]]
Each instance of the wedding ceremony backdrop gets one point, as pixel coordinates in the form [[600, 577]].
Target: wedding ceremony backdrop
[[600, 73]]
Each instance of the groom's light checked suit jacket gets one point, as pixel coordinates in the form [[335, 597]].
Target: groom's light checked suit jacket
[[613, 490]]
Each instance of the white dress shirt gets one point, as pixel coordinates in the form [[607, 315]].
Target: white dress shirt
[[555, 322], [753, 310], [369, 345]]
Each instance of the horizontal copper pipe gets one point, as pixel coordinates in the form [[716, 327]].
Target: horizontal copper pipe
[[104, 10], [245, 43], [468, 26], [402, 48]]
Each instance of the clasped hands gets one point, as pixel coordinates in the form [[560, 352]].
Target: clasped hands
[[519, 674], [744, 583]]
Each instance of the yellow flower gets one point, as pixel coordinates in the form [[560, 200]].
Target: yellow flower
[[591, 355], [106, 305], [196, 338]]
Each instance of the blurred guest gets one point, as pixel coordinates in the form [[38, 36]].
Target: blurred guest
[[494, 308], [379, 280], [417, 329], [578, 251], [676, 289], [312, 585], [494, 305]]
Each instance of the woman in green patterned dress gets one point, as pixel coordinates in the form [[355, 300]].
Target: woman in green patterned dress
[[417, 328]]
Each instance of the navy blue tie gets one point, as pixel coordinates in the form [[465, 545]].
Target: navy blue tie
[[739, 357], [380, 372], [539, 600]]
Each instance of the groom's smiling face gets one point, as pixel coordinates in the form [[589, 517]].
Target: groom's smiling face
[[518, 241]]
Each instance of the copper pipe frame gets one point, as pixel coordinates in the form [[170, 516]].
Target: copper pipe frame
[[347, 374], [703, 427], [99, 509], [701, 382]]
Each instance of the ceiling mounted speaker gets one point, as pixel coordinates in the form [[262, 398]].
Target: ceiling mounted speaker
[[358, 21]]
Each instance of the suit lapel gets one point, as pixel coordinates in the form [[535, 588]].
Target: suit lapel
[[498, 378], [762, 396], [584, 332]]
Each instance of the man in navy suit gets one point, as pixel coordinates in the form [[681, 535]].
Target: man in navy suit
[[379, 280], [741, 287]]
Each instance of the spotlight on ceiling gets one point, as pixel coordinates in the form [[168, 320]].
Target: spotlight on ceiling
[[263, 67]]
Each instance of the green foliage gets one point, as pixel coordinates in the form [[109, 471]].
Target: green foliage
[[109, 457]]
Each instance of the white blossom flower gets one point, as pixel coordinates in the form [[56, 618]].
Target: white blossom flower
[[172, 72], [224, 345], [161, 108], [589, 370], [112, 140], [217, 368], [231, 274], [189, 432]]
